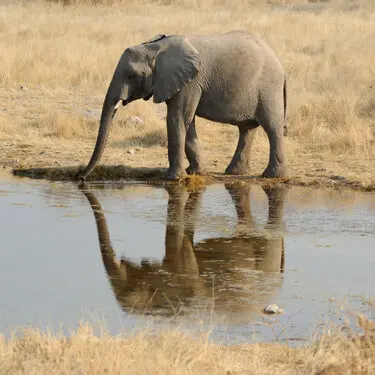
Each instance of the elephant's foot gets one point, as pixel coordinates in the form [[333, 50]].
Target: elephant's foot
[[174, 174], [278, 171], [238, 169], [196, 169]]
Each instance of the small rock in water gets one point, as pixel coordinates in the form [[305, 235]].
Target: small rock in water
[[272, 309], [131, 151]]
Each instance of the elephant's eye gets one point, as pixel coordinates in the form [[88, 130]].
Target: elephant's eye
[[132, 76]]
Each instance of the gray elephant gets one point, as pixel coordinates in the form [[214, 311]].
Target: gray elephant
[[246, 267], [233, 78]]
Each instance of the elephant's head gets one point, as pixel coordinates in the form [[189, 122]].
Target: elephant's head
[[159, 68]]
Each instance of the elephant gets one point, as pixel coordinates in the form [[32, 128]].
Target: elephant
[[233, 78], [239, 273]]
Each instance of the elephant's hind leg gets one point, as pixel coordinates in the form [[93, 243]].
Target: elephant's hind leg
[[240, 163], [193, 151], [272, 121]]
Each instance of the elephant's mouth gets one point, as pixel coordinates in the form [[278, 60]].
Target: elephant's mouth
[[147, 97], [127, 101], [124, 103]]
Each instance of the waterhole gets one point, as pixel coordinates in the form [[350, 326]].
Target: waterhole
[[135, 255]]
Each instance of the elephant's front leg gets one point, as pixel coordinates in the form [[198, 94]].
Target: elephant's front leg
[[193, 151], [180, 114], [176, 131]]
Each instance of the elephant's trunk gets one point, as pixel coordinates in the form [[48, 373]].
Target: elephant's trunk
[[113, 267], [101, 224], [108, 112]]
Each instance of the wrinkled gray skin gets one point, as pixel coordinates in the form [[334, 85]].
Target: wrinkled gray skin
[[185, 277], [232, 78]]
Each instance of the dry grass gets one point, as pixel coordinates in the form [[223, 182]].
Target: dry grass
[[29, 351], [63, 58], [194, 182]]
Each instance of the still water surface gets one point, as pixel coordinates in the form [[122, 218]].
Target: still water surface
[[135, 255]]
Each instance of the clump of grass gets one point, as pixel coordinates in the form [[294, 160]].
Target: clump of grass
[[194, 182]]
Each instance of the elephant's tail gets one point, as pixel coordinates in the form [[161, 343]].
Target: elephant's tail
[[285, 105]]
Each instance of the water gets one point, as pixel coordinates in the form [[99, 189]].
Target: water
[[137, 255]]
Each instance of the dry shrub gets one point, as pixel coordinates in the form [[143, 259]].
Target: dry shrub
[[336, 353], [57, 124], [333, 121], [51, 124]]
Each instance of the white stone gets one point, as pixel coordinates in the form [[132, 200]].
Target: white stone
[[272, 309]]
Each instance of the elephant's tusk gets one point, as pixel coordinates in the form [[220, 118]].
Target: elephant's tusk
[[118, 104]]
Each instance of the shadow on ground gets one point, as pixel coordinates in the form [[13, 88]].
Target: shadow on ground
[[100, 173], [122, 173]]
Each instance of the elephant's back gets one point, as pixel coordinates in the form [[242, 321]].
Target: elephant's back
[[239, 44]]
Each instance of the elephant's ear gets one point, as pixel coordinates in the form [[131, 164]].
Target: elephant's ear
[[155, 39], [176, 64]]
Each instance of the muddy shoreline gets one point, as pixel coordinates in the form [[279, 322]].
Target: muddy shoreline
[[120, 174]]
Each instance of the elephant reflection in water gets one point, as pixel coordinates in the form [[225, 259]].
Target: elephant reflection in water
[[238, 274]]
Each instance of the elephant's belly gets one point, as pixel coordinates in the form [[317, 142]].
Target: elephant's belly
[[226, 110]]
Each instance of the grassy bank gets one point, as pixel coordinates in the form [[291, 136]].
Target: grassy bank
[[58, 60], [174, 352]]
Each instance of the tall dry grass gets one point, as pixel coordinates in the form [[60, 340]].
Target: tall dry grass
[[64, 52], [30, 352]]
